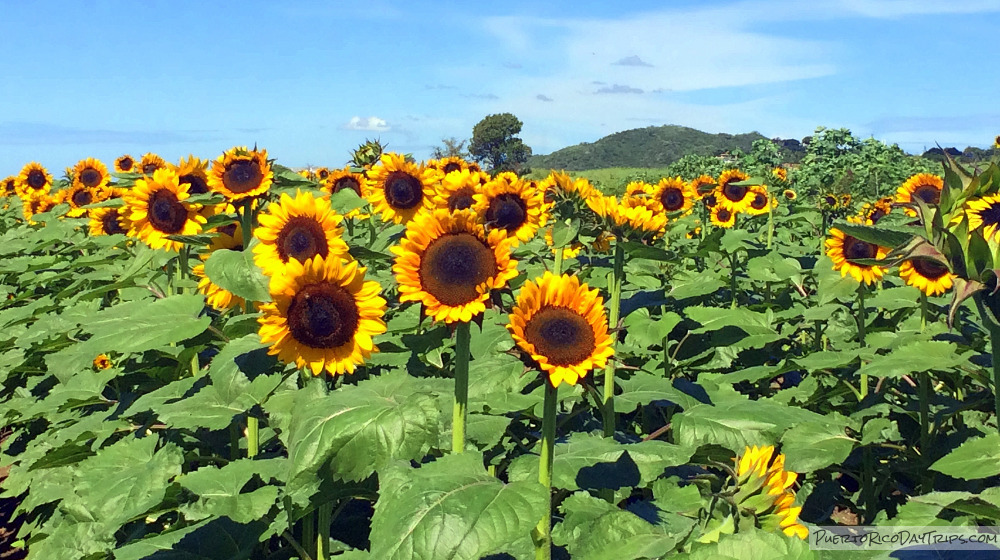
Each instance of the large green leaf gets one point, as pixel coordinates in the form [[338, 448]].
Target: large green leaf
[[644, 388], [976, 458], [218, 539], [236, 272], [451, 509], [919, 356], [811, 446], [219, 490], [737, 424], [756, 544]]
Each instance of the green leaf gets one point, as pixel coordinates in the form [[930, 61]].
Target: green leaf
[[644, 388], [811, 446], [738, 423], [756, 544], [871, 234], [451, 508], [975, 458], [236, 272], [219, 490], [564, 232], [218, 539], [931, 355]]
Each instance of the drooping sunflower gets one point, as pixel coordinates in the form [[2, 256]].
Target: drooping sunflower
[[630, 216], [721, 216], [928, 276], [735, 197], [297, 229], [984, 213], [562, 326], [457, 191], [761, 202], [764, 491], [125, 164], [515, 206], [216, 296], [91, 174], [672, 194], [560, 183], [323, 315], [449, 263], [602, 243], [241, 173], [34, 180], [399, 189], [702, 185], [845, 249], [150, 162], [156, 207], [107, 221], [341, 179], [925, 186], [789, 194]]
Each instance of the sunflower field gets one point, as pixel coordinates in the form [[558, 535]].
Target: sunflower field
[[231, 359]]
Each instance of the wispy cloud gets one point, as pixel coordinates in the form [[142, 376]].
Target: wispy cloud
[[370, 123], [543, 97], [618, 88], [633, 60]]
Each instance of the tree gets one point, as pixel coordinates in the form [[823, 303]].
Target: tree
[[450, 147], [495, 144]]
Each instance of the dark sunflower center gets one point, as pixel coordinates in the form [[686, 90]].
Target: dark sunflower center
[[403, 191], [991, 215], [929, 269], [150, 167], [710, 200], [876, 215], [928, 193], [36, 179], [735, 193], [759, 202], [323, 316], [451, 166], [561, 335], [724, 215], [125, 164], [461, 199], [196, 183], [323, 174], [302, 238], [242, 175], [347, 182], [830, 201], [90, 177], [453, 265], [857, 249], [672, 199], [82, 197], [8, 187], [507, 211], [166, 213], [111, 224]]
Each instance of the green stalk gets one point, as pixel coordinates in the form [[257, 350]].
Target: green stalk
[[253, 436], [615, 286], [182, 264], [323, 518], [543, 541], [460, 410], [253, 424], [558, 265], [862, 321], [770, 221], [732, 278], [309, 533], [926, 482], [991, 325], [171, 267]]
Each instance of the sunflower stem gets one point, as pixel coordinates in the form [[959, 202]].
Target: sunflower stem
[[862, 321], [309, 533], [324, 515], [994, 329], [926, 481], [770, 222], [543, 540], [608, 412], [558, 264], [182, 264], [732, 278], [460, 410]]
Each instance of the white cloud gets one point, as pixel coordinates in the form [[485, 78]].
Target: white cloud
[[371, 123]]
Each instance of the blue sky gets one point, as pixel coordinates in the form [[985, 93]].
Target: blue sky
[[311, 80]]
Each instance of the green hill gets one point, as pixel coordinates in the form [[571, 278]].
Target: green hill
[[654, 146]]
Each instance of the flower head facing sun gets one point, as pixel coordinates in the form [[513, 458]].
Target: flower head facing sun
[[399, 189], [562, 326], [721, 216], [125, 164], [90, 174], [156, 208], [672, 194], [342, 179], [515, 206], [323, 315], [449, 263], [107, 221], [924, 186], [846, 250], [241, 173], [33, 181], [299, 229], [985, 213], [150, 162], [929, 277], [731, 193]]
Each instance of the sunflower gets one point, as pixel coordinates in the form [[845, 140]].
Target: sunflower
[[8, 186], [449, 164], [150, 162], [125, 164], [457, 191], [710, 200], [735, 197], [323, 315], [845, 200], [33, 181], [559, 182], [985, 213], [930, 277], [602, 243], [321, 174], [569, 251], [996, 143], [36, 205], [449, 263], [78, 196], [673, 195], [107, 221], [515, 206], [156, 208], [91, 174], [702, 185], [194, 172], [845, 249], [307, 174], [341, 179], [722, 217], [297, 229], [925, 186], [638, 189], [241, 173], [789, 194], [763, 491], [829, 201], [561, 324], [780, 173], [630, 214], [399, 189], [219, 298], [761, 202], [102, 361]]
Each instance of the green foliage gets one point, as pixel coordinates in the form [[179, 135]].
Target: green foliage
[[496, 146]]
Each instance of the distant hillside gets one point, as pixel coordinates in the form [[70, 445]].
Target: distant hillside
[[654, 146]]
